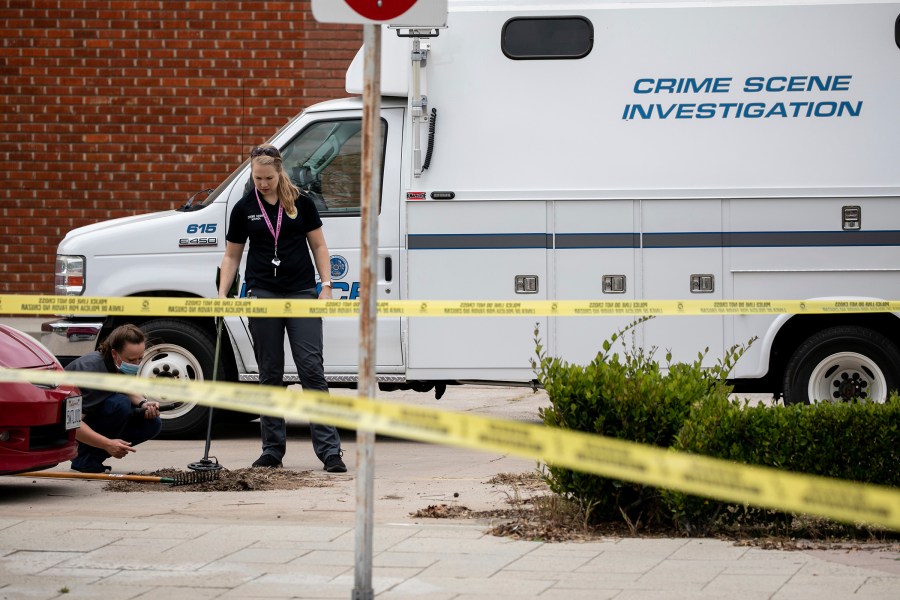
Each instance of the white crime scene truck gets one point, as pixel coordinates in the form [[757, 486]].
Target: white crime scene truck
[[574, 151]]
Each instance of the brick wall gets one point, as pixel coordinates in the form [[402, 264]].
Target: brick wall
[[113, 108]]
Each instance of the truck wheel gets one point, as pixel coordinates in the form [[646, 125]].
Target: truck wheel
[[180, 350], [842, 363]]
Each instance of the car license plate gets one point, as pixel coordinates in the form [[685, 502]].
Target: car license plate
[[73, 412]]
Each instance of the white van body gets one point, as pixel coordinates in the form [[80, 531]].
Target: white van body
[[696, 150]]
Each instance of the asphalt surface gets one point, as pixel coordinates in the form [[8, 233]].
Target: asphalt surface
[[76, 539]]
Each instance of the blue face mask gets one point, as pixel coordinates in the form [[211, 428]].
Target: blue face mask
[[128, 368]]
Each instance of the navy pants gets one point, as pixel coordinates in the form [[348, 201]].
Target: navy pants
[[114, 419], [305, 338]]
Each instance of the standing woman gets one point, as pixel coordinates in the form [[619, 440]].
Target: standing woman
[[280, 222]]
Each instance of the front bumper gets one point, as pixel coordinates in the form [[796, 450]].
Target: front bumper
[[68, 339], [12, 462], [33, 432]]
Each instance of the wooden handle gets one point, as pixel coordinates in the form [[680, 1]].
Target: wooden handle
[[104, 476]]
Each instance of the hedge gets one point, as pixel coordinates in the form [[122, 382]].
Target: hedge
[[629, 395]]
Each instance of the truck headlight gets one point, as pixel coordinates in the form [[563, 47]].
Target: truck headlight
[[69, 279]]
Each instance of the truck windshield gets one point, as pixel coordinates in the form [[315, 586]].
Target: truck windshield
[[215, 193]]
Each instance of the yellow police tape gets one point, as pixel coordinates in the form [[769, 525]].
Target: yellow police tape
[[257, 307], [703, 476]]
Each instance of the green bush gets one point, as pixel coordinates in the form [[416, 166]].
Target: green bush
[[629, 397], [853, 441]]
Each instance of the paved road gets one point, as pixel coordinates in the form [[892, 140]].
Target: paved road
[[73, 539]]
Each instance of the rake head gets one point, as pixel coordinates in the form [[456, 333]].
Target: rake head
[[192, 477]]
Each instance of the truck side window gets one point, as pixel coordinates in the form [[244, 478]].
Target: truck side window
[[897, 32], [535, 38], [325, 160]]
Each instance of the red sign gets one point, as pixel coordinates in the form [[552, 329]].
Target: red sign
[[418, 13], [380, 10]]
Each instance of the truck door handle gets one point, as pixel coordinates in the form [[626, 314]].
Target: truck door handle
[[388, 269]]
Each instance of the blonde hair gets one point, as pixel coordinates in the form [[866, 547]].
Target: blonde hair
[[287, 192]]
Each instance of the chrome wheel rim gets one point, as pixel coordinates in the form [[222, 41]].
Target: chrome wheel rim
[[169, 361], [845, 376]]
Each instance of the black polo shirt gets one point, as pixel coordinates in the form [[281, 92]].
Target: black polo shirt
[[296, 271]]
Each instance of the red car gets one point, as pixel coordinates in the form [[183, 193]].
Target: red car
[[37, 422]]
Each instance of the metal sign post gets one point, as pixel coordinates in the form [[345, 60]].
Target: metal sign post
[[372, 15], [371, 188]]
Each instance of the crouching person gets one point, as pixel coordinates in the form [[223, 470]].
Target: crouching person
[[113, 423]]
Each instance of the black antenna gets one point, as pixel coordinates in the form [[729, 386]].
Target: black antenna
[[243, 109]]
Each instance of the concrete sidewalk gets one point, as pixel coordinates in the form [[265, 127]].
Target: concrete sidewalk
[[170, 558], [74, 539]]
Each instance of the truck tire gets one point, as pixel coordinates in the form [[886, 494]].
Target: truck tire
[[842, 363], [180, 350]]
